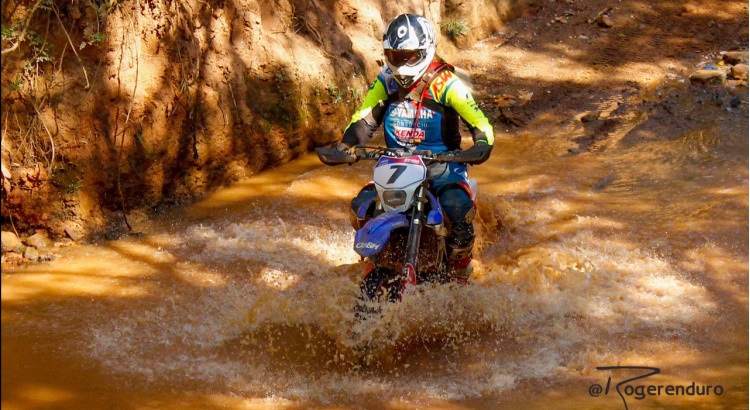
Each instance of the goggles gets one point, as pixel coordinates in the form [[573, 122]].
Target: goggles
[[400, 58]]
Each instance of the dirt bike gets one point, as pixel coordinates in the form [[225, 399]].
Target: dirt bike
[[401, 232]]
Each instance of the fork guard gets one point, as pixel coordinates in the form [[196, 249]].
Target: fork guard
[[371, 238]]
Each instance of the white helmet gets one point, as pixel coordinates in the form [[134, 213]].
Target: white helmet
[[409, 47]]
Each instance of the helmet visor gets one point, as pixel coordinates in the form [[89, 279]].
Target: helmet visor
[[400, 58]]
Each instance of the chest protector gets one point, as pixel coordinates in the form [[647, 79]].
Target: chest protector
[[414, 119]]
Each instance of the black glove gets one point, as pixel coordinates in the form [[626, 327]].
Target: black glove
[[477, 154], [343, 147]]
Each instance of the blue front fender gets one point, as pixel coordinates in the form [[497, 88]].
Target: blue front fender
[[371, 238]]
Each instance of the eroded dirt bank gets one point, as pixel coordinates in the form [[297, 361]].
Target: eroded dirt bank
[[112, 109]]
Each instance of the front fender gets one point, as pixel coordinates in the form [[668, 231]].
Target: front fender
[[371, 238]]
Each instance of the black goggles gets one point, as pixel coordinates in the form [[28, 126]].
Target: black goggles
[[400, 58]]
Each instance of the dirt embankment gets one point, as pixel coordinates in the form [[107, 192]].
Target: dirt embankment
[[112, 109]]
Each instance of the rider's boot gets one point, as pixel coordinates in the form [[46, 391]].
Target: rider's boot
[[460, 209], [461, 270], [459, 261]]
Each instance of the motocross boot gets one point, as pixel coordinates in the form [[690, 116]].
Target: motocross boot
[[460, 210], [459, 262]]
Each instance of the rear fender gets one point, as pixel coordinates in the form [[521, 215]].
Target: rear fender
[[371, 238]]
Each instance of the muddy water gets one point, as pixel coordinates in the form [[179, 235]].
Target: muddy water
[[634, 255]]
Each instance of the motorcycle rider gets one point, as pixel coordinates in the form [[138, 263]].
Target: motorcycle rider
[[420, 101]]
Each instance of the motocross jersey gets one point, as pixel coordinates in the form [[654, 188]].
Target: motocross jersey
[[424, 117]]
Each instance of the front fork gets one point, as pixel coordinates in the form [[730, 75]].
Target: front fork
[[411, 259]]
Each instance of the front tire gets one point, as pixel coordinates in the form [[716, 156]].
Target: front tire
[[381, 285]]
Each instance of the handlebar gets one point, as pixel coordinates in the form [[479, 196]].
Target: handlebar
[[474, 155]]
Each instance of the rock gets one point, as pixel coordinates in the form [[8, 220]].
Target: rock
[[63, 242], [605, 21], [47, 257], [74, 233], [12, 258], [708, 77], [740, 71], [31, 253], [734, 83], [10, 242], [591, 116], [689, 8], [736, 57], [507, 101], [39, 241]]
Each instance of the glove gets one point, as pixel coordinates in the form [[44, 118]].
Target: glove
[[343, 147], [477, 154]]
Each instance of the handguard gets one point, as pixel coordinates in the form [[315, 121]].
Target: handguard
[[332, 156], [475, 155]]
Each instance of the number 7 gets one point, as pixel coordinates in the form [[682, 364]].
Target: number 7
[[399, 170]]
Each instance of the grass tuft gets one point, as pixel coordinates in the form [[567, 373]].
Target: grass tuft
[[455, 28]]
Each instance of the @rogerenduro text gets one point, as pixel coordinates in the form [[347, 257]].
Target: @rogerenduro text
[[625, 375]]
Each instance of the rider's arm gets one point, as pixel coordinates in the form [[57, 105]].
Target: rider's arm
[[458, 96], [369, 116]]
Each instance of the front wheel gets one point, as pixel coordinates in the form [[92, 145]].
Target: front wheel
[[379, 286]]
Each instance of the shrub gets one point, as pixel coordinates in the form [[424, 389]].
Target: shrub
[[455, 28]]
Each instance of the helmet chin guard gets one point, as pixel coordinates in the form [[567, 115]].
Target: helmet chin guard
[[409, 47]]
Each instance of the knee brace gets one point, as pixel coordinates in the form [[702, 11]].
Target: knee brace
[[460, 210], [456, 253]]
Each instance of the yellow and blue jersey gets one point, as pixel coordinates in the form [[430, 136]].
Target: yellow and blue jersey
[[435, 127]]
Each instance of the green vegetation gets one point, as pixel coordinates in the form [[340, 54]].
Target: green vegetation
[[29, 37], [67, 178], [455, 28], [13, 32], [335, 93], [91, 37]]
